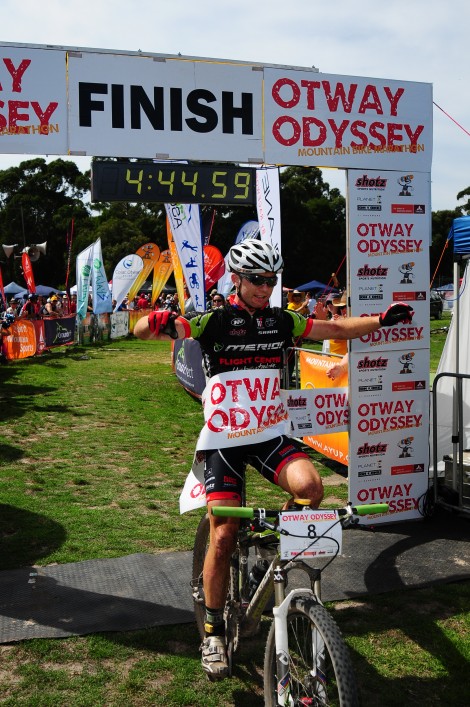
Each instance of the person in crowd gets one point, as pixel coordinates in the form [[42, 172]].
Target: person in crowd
[[13, 307], [30, 309], [142, 302], [73, 304], [217, 301], [335, 308], [50, 308], [6, 321], [258, 334], [311, 304], [298, 303]]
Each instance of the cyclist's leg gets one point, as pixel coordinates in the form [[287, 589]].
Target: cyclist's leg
[[223, 487], [283, 462]]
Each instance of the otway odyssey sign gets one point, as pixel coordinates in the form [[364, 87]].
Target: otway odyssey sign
[[59, 100]]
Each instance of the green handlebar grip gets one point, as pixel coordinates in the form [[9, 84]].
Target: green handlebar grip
[[232, 511], [370, 509]]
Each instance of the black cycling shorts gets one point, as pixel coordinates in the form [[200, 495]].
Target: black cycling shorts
[[224, 469]]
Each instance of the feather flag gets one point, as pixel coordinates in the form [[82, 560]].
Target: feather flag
[[150, 253], [161, 272]]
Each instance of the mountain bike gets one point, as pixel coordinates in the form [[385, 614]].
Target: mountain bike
[[306, 659]]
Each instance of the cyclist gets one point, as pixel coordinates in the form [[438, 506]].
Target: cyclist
[[249, 335]]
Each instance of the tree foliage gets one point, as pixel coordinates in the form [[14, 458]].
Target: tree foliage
[[40, 201]]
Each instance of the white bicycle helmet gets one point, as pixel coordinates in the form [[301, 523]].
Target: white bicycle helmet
[[252, 257]]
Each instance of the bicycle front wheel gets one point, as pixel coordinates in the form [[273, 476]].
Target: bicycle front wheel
[[319, 666]]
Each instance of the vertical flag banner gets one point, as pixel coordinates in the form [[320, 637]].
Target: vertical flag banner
[[2, 291], [161, 272], [125, 274], [28, 273], [214, 265], [250, 229], [177, 269], [269, 216], [185, 226], [150, 254], [101, 294], [83, 266]]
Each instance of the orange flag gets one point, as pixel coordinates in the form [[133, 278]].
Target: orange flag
[[150, 253], [161, 272]]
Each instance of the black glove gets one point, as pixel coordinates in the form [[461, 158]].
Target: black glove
[[396, 313], [163, 322]]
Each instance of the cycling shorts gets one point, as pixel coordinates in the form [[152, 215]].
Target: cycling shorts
[[224, 469]]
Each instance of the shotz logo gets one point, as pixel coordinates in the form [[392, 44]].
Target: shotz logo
[[366, 182], [367, 271]]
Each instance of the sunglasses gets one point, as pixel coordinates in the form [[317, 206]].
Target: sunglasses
[[259, 280]]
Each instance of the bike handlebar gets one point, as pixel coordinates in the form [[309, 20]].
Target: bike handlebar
[[250, 513]]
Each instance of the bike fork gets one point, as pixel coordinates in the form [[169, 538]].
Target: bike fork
[[280, 612]]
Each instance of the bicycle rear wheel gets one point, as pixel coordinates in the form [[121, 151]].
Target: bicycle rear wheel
[[320, 667]]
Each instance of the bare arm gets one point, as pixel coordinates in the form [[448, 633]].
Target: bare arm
[[354, 327]]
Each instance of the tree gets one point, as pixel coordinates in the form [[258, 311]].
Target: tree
[[38, 202]]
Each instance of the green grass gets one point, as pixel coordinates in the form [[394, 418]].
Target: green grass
[[95, 446]]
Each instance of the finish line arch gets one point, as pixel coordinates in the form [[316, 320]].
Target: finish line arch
[[95, 102]]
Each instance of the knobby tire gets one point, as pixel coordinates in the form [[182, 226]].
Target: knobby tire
[[327, 679]]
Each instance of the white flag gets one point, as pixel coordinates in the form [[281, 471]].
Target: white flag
[[269, 216], [125, 273], [101, 293], [185, 224], [83, 266]]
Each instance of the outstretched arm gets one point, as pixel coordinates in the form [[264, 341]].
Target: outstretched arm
[[354, 327], [160, 324]]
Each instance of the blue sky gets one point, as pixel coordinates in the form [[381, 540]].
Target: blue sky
[[423, 40]]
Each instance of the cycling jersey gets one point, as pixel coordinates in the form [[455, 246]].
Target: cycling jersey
[[232, 339]]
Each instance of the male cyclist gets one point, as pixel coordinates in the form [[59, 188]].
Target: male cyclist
[[246, 335]]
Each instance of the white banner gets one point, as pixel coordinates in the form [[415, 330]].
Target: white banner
[[389, 234], [119, 325], [269, 216], [83, 266], [101, 294], [185, 224], [107, 102], [125, 273], [242, 407], [317, 412]]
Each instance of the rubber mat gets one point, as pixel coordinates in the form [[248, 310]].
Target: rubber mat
[[143, 590]]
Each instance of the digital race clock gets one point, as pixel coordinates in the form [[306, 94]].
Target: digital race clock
[[173, 182]]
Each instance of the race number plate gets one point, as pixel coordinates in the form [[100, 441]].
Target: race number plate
[[313, 533]]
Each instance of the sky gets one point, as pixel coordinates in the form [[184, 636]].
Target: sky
[[424, 40]]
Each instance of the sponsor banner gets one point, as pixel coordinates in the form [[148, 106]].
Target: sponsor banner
[[269, 216], [101, 294], [28, 272], [161, 272], [185, 225], [150, 253], [389, 447], [59, 332], [342, 121], [124, 275], [317, 412], [105, 102], [33, 118], [21, 343], [242, 407], [187, 364], [40, 338], [313, 369], [389, 234], [119, 325], [83, 266], [177, 268]]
